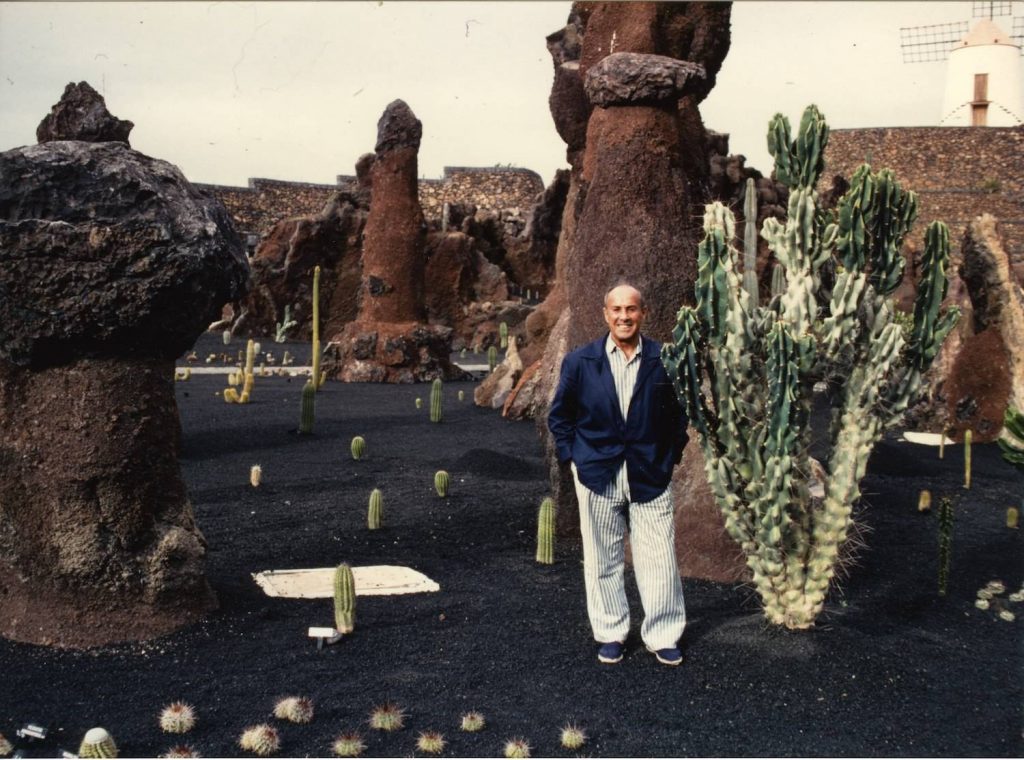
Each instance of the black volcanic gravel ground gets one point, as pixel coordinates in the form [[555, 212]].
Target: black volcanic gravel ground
[[891, 669]]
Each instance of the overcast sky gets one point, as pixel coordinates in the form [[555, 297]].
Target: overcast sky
[[232, 90]]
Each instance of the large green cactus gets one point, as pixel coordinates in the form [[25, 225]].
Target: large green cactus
[[437, 400], [344, 599], [746, 372]]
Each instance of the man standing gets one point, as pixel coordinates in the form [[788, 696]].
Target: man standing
[[615, 417]]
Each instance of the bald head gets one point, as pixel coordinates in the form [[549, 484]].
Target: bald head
[[624, 313], [624, 290]]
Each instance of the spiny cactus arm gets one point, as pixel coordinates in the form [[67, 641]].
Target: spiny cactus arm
[[841, 327], [683, 359], [931, 328], [750, 242], [799, 163]]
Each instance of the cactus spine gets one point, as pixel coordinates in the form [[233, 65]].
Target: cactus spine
[[436, 400], [750, 241], [358, 446], [344, 599], [97, 743], [375, 510], [441, 483], [945, 541], [316, 329], [546, 532], [503, 334], [967, 459], [492, 358], [761, 363], [308, 407]]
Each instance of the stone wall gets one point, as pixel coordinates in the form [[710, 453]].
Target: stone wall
[[958, 173], [256, 208]]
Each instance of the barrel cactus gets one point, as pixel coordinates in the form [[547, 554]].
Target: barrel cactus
[[746, 372], [436, 400], [344, 599], [441, 481], [375, 510], [97, 742]]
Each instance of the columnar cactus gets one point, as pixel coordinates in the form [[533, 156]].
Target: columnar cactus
[[358, 447], [967, 459], [492, 358], [436, 400], [750, 241], [503, 334], [282, 327], [834, 322], [546, 532], [375, 510], [317, 379], [441, 481], [945, 541], [344, 599], [308, 407]]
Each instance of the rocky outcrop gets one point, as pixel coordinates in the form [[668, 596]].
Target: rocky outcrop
[[81, 114], [494, 391], [282, 272], [390, 340], [988, 371], [111, 265]]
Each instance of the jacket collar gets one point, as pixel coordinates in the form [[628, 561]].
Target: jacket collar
[[649, 349]]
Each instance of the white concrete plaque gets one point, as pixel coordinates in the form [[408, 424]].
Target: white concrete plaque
[[318, 583]]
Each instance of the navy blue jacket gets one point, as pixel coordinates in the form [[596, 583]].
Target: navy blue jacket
[[587, 424]]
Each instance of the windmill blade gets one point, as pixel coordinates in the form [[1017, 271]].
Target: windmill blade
[[1017, 35], [921, 44], [991, 8]]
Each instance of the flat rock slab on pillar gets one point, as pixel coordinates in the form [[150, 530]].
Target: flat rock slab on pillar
[[318, 583]]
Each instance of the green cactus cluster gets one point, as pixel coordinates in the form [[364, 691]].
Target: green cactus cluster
[[546, 532], [344, 599], [308, 407], [375, 510], [441, 482], [437, 400], [745, 372]]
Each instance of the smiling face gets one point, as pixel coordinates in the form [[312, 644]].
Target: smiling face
[[624, 313]]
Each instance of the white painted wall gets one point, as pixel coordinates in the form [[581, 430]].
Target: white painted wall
[[1003, 64]]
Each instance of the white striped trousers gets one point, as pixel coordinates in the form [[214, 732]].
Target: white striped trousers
[[603, 525]]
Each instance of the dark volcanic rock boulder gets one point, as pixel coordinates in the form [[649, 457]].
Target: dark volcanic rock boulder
[[111, 265], [81, 114], [623, 78]]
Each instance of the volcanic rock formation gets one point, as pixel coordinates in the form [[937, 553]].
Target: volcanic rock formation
[[111, 264], [390, 340], [81, 114]]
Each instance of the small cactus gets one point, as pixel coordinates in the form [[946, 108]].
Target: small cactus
[[1012, 518], [349, 745], [431, 742], [967, 459], [981, 604], [503, 334], [178, 718], [261, 740], [230, 396], [441, 481], [492, 358], [573, 737], [462, 395], [517, 748], [1007, 615], [419, 403], [5, 746], [996, 587], [436, 400], [344, 599], [924, 501], [358, 447], [227, 337], [182, 750], [388, 717], [375, 510], [255, 475], [97, 743], [294, 709], [472, 722], [308, 405], [546, 532]]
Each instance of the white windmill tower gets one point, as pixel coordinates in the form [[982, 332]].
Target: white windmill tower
[[984, 79]]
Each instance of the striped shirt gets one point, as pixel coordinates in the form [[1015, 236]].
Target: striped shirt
[[624, 374]]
